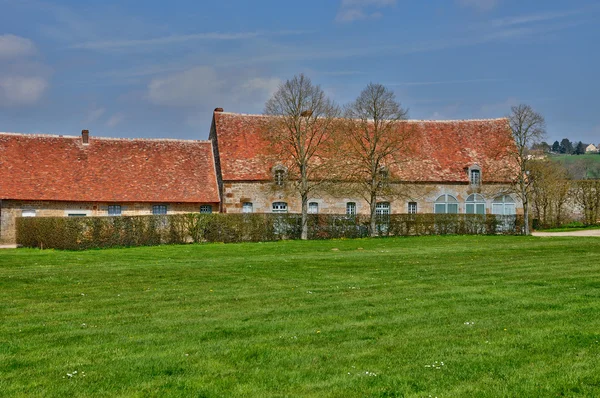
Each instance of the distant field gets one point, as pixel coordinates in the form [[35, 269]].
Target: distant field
[[580, 166], [479, 316]]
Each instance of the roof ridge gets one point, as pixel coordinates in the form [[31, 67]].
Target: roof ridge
[[407, 120]]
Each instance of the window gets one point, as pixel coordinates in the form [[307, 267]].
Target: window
[[206, 209], [503, 205], [247, 207], [313, 208], [382, 208], [475, 204], [351, 208], [279, 176], [280, 207], [28, 213], [475, 177], [412, 207], [446, 204], [159, 209], [76, 215], [114, 210]]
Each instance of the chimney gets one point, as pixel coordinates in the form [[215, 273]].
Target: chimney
[[85, 137], [218, 109]]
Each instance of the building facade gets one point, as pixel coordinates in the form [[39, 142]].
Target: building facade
[[455, 167]]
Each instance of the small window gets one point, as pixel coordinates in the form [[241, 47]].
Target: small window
[[351, 208], [279, 177], [28, 213], [446, 204], [382, 208], [412, 207], [475, 204], [247, 207], [206, 209], [159, 209], [475, 177], [313, 208], [280, 207], [114, 210]]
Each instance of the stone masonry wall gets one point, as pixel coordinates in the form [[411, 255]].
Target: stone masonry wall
[[12, 209]]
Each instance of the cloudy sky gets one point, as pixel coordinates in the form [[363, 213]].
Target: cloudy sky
[[158, 68]]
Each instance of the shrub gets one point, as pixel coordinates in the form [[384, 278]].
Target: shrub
[[78, 233]]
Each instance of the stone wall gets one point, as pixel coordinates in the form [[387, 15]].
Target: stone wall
[[10, 209], [333, 201]]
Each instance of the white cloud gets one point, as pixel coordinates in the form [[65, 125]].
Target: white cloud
[[479, 5], [21, 90], [115, 119], [12, 46], [208, 87], [354, 10], [94, 115]]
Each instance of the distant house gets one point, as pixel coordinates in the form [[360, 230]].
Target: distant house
[[591, 149], [71, 176]]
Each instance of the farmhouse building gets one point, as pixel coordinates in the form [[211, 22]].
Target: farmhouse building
[[591, 149], [456, 167]]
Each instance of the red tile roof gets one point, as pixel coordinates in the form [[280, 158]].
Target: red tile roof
[[44, 167], [443, 152]]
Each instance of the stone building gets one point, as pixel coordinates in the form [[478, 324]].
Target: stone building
[[455, 167], [45, 175], [460, 166]]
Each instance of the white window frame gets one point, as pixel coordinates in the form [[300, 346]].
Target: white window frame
[[279, 207], [247, 207], [350, 208], [412, 207], [475, 204], [447, 203], [383, 208], [313, 208], [504, 205]]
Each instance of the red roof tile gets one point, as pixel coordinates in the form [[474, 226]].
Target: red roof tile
[[444, 149], [43, 167]]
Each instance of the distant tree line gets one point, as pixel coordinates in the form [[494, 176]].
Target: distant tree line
[[565, 147]]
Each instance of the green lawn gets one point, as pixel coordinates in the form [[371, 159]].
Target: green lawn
[[417, 317]]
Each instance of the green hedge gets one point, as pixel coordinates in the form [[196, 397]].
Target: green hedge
[[78, 233]]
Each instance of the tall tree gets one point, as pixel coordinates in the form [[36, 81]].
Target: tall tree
[[299, 130], [556, 147], [580, 148], [566, 146], [374, 142], [550, 191], [528, 127]]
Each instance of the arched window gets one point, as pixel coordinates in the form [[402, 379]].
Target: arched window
[[313, 208], [247, 207], [475, 204], [280, 207], [446, 204], [504, 205]]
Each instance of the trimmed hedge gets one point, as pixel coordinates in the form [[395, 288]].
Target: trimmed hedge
[[79, 233]]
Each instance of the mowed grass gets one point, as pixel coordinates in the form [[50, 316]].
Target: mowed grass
[[415, 317]]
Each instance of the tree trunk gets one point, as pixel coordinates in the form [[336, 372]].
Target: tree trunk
[[373, 224], [526, 216], [304, 233]]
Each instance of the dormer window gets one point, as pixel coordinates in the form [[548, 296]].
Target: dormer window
[[475, 175], [279, 175]]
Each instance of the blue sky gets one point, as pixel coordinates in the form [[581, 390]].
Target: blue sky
[[158, 68]]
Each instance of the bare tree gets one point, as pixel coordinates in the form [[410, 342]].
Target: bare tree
[[374, 142], [550, 186], [528, 127], [586, 194], [299, 131]]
